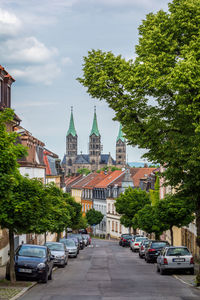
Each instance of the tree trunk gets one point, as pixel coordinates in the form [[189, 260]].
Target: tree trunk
[[129, 230], [12, 256], [58, 236], [198, 238], [172, 236], [45, 237], [157, 235], [134, 231]]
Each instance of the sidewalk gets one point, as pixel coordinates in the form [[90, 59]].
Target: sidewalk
[[188, 279]]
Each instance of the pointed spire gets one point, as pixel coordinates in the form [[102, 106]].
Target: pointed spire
[[95, 129], [120, 134], [71, 129]]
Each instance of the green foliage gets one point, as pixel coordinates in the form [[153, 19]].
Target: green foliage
[[84, 171], [128, 205], [114, 169], [83, 223], [94, 217], [75, 213], [157, 97], [148, 221], [155, 194]]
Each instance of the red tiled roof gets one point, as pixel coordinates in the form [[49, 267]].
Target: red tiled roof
[[109, 178], [72, 179], [95, 181], [47, 166], [85, 180], [141, 172]]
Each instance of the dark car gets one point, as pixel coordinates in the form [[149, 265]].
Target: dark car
[[32, 262], [126, 240], [83, 231], [153, 250], [80, 238], [122, 237]]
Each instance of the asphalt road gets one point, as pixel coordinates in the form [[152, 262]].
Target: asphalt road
[[107, 271]]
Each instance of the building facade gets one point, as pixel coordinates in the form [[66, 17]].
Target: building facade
[[95, 159]]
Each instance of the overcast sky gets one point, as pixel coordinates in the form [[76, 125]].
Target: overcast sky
[[42, 46]]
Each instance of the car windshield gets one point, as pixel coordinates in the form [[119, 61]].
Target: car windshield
[[139, 239], [29, 251], [158, 245], [178, 252], [55, 247], [69, 243]]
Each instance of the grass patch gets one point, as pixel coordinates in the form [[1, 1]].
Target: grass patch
[[7, 283]]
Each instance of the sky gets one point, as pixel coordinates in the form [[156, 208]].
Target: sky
[[42, 45]]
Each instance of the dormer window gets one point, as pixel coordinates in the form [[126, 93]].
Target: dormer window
[[8, 96]]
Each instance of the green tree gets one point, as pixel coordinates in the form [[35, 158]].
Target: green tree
[[155, 194], [156, 97], [174, 210], [76, 213], [59, 215], [128, 205], [94, 217], [9, 175], [84, 171], [25, 211], [147, 220]]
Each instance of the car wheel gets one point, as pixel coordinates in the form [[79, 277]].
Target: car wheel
[[50, 275], [192, 271], [158, 269], [147, 260], [46, 278], [162, 272], [66, 262]]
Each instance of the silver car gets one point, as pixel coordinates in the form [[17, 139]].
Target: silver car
[[175, 258], [144, 244], [136, 244], [58, 252], [71, 247]]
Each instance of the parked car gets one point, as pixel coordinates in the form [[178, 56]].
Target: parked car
[[82, 231], [133, 239], [144, 244], [80, 238], [59, 253], [32, 262], [71, 247], [87, 238], [126, 240], [76, 240], [121, 238], [136, 244], [153, 250], [175, 258]]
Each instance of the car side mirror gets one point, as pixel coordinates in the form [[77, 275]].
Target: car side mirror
[[51, 257]]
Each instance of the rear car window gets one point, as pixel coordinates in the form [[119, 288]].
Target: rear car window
[[178, 252], [158, 244]]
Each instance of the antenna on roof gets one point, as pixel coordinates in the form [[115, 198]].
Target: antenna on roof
[[71, 108], [95, 108]]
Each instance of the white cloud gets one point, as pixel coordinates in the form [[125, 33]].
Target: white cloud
[[66, 61], [44, 74], [26, 50], [9, 23]]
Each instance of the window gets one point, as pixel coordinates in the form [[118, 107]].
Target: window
[[116, 227], [113, 209], [8, 96], [1, 91], [108, 207], [112, 225]]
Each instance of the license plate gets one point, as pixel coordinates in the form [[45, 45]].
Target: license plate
[[178, 259], [25, 270]]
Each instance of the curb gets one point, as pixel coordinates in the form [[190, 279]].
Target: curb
[[23, 291], [26, 289], [185, 282]]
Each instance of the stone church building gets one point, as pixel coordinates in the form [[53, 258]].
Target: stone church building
[[95, 159]]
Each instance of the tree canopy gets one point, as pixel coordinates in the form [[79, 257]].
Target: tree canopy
[[156, 97], [128, 205], [94, 217]]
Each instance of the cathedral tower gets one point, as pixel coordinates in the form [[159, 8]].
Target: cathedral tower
[[95, 144], [71, 146], [120, 149]]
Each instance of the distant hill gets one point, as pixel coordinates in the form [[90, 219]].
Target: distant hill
[[138, 164]]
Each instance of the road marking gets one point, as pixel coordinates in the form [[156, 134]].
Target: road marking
[[182, 280]]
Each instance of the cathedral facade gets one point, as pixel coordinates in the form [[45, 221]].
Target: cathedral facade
[[95, 159]]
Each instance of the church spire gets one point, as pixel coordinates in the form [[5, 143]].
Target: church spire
[[71, 129], [120, 134], [95, 129]]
